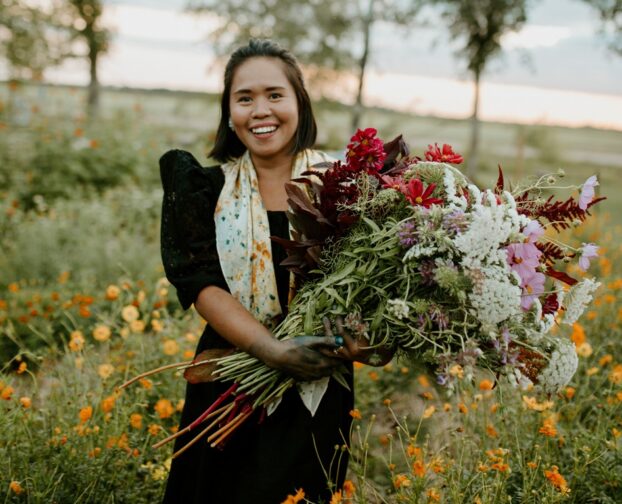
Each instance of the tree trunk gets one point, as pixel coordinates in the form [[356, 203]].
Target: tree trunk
[[473, 159], [93, 96], [357, 111]]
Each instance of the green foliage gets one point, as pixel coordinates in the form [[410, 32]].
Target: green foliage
[[27, 46]]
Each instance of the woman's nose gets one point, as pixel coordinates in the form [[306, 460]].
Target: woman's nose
[[261, 108]]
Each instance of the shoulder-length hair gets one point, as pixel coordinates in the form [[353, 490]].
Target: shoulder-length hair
[[227, 145]]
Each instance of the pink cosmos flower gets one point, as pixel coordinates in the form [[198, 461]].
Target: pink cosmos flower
[[587, 192], [523, 258], [588, 251], [533, 231], [532, 286]]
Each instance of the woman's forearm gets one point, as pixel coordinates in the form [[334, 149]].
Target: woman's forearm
[[235, 324]]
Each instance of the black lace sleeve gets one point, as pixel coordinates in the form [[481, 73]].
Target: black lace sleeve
[[188, 235]]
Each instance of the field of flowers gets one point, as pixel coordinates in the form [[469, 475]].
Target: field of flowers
[[84, 306]]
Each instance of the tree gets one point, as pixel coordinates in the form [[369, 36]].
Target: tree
[[85, 25], [480, 25], [610, 12], [328, 35], [31, 39]]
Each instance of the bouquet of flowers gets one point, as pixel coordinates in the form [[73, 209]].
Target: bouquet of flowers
[[410, 255]]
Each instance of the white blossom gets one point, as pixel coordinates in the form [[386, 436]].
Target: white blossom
[[494, 297], [398, 308], [561, 367], [578, 298]]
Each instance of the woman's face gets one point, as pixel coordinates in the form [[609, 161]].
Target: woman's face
[[263, 107]]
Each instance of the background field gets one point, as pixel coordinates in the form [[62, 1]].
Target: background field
[[83, 305]]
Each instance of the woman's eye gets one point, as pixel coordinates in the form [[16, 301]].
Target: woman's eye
[[275, 96], [244, 99]]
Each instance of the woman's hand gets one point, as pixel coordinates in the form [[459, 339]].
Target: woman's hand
[[305, 358], [357, 348]]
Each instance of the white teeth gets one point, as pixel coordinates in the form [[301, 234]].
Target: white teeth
[[264, 129]]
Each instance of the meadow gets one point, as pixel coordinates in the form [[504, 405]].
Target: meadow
[[84, 305]]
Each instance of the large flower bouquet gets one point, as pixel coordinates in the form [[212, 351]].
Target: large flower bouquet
[[412, 256]]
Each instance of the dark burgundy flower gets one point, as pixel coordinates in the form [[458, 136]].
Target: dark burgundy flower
[[551, 304], [444, 155], [418, 196]]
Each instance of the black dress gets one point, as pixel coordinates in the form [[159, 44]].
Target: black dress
[[260, 463]]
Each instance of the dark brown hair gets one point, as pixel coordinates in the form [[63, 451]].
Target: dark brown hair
[[227, 145]]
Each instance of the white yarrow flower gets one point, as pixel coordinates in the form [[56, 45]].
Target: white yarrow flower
[[398, 308], [561, 367], [578, 298]]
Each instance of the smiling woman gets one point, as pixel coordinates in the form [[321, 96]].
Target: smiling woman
[[216, 250]]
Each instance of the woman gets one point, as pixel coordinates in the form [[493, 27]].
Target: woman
[[216, 251]]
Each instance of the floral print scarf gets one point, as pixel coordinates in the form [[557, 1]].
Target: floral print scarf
[[243, 235]]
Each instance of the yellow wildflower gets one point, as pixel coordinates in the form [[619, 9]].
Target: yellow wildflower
[[429, 411], [101, 332], [170, 347], [26, 402], [105, 371], [533, 404], [76, 341], [584, 349], [130, 313], [605, 359], [401, 480], [137, 326], [486, 385], [112, 292]]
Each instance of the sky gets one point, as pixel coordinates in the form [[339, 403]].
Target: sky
[[556, 70]]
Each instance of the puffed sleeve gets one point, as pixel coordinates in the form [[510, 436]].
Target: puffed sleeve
[[187, 233]]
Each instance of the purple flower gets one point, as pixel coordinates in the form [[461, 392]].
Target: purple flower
[[407, 234], [533, 231], [523, 258], [587, 192], [426, 270], [532, 286], [455, 222], [588, 251]]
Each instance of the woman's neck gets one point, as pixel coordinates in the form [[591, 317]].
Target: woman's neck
[[272, 174], [273, 168]]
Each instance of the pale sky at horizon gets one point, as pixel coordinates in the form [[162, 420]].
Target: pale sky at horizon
[[571, 79]]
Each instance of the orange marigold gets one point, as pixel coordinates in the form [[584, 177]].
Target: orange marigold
[[578, 334], [336, 498], [293, 499], [7, 392], [349, 488], [15, 487], [616, 374], [401, 480], [548, 428], [136, 420], [486, 385], [356, 414], [556, 479], [107, 404], [85, 414], [26, 402], [164, 408], [419, 468]]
